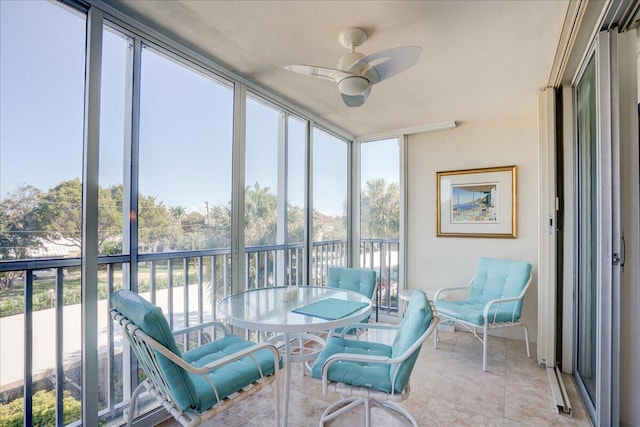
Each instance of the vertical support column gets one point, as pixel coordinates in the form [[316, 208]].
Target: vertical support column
[[90, 219], [131, 165], [237, 198], [403, 142], [280, 262], [353, 225], [130, 200], [59, 346], [308, 196], [185, 291], [28, 349], [352, 193]]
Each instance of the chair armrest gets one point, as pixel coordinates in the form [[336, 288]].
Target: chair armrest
[[239, 355], [352, 358], [440, 291], [520, 297], [376, 359], [367, 326], [216, 324], [220, 362], [498, 301]]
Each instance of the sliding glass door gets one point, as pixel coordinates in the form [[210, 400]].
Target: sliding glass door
[[597, 230], [586, 354]]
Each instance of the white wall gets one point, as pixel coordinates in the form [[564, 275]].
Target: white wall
[[435, 262]]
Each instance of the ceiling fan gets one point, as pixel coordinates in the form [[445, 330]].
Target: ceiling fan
[[356, 73]]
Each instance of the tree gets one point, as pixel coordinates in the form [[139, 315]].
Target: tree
[[155, 224], [193, 227], [19, 228], [219, 231], [295, 224], [110, 220], [260, 216], [61, 213], [380, 217], [177, 212], [380, 210], [19, 223]]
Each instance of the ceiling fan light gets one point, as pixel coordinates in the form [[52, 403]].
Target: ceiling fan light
[[353, 86]]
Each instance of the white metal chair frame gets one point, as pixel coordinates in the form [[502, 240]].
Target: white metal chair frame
[[488, 322], [368, 397], [145, 348]]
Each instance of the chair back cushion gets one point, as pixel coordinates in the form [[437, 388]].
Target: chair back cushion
[[353, 279], [358, 280], [500, 278], [151, 320], [415, 322]]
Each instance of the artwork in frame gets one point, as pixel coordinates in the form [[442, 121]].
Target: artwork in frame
[[477, 203]]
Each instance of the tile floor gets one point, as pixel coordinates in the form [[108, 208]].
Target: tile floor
[[448, 388]]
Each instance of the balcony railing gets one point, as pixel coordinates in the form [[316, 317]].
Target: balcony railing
[[41, 325]]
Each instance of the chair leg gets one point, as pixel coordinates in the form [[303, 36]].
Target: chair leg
[[397, 412], [340, 407], [526, 340], [435, 337], [484, 349], [367, 413], [132, 403], [275, 386]]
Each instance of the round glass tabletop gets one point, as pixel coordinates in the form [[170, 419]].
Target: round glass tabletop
[[270, 309]]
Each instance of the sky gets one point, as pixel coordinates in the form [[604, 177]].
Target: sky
[[186, 121]]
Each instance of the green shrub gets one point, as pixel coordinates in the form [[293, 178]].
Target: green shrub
[[44, 300], [11, 306], [44, 410]]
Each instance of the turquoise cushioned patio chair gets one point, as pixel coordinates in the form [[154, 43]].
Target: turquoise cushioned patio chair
[[198, 384], [492, 299], [358, 280], [376, 374]]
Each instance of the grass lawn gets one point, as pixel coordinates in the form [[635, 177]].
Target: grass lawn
[[72, 279], [46, 284]]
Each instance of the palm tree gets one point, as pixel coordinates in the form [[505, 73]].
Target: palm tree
[[177, 212], [380, 217], [380, 210]]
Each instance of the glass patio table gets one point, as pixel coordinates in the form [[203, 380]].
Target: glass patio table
[[292, 313]]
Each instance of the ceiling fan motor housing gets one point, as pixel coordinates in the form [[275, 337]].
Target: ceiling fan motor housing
[[353, 86]]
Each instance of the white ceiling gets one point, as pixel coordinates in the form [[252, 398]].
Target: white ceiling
[[480, 59]]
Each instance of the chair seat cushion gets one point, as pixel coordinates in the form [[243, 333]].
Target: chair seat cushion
[[228, 378], [371, 375], [472, 312]]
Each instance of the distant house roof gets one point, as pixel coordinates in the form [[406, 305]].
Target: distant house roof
[[58, 249]]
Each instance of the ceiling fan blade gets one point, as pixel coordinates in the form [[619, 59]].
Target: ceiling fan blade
[[389, 62], [357, 100], [321, 72]]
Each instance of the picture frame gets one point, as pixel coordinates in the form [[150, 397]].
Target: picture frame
[[477, 203]]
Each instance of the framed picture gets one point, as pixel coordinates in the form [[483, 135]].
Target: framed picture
[[477, 203]]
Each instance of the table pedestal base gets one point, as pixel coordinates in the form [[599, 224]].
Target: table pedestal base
[[294, 353]]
